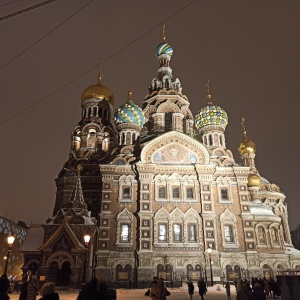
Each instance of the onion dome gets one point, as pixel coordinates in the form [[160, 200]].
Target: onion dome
[[246, 146], [129, 113], [211, 114], [98, 91], [164, 48], [253, 180]]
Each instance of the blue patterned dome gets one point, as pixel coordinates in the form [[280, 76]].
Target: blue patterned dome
[[129, 113], [211, 115], [164, 48]]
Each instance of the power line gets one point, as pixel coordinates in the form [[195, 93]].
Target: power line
[[26, 10], [47, 34], [92, 68]]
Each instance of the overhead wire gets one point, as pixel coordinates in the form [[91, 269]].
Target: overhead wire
[[25, 10], [96, 66], [47, 34]]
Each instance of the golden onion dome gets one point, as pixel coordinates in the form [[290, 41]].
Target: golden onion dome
[[246, 146], [253, 180], [98, 91]]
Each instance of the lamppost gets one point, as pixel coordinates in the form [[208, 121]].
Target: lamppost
[[209, 250], [86, 238], [10, 241]]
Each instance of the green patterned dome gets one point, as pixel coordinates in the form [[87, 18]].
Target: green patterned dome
[[129, 113], [164, 48], [211, 115]]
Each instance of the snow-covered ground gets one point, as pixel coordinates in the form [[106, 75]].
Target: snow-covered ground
[[217, 292]]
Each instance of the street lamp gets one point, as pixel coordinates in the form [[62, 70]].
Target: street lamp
[[10, 241], [209, 250], [86, 238]]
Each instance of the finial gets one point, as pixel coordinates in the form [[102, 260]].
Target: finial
[[243, 125], [129, 90], [208, 92], [100, 76], [79, 169], [164, 37]]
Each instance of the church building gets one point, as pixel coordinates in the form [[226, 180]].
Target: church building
[[160, 194]]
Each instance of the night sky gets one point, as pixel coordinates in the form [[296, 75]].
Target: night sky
[[249, 50]]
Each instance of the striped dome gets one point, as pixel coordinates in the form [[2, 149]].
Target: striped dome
[[129, 113], [211, 115], [164, 48]]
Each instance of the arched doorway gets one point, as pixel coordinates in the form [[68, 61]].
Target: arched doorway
[[267, 271], [233, 274], [194, 273], [165, 272], [123, 275], [63, 274], [52, 271]]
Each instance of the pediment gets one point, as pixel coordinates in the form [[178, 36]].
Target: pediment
[[175, 148], [63, 238]]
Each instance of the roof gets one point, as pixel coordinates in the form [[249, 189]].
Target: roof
[[34, 239], [260, 209]]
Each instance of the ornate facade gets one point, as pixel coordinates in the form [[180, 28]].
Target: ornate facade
[[156, 188]]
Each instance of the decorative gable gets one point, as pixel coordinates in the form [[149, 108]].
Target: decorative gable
[[176, 148]]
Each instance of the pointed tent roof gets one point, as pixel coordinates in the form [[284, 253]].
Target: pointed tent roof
[[76, 198]]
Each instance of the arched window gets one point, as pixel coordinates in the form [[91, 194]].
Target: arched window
[[261, 235], [274, 235], [124, 230], [192, 232], [162, 232], [190, 193], [228, 233], [175, 192], [162, 192], [124, 233], [224, 193], [177, 232]]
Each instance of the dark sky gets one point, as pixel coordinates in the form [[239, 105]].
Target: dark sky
[[248, 49]]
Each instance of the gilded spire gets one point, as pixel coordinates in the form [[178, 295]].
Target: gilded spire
[[208, 93], [100, 76], [129, 90], [164, 37]]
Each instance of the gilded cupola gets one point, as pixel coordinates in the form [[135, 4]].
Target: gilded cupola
[[246, 146], [98, 91]]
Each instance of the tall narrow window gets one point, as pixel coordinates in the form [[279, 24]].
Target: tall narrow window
[[261, 235], [274, 235], [162, 192], [224, 194], [192, 233], [176, 192], [228, 233], [126, 193], [162, 231], [125, 233], [177, 232], [189, 193]]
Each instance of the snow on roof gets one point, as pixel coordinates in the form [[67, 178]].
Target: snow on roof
[[260, 209], [34, 239]]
